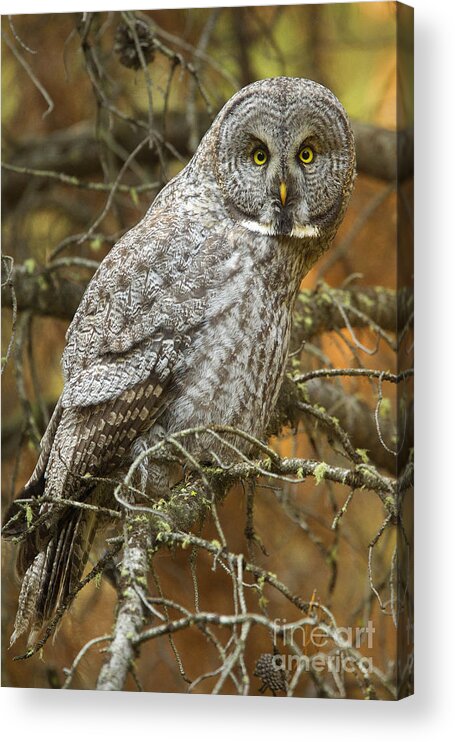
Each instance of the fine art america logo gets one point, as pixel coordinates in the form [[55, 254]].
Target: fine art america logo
[[340, 648]]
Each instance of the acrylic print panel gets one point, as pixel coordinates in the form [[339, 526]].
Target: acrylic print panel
[[223, 500]]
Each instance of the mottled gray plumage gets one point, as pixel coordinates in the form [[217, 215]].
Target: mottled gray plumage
[[187, 320]]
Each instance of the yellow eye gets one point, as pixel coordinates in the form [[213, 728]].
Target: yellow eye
[[260, 156], [306, 155]]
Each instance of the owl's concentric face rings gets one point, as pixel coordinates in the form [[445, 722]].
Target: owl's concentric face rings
[[285, 136]]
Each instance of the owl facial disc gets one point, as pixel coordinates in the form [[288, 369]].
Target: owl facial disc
[[285, 159]]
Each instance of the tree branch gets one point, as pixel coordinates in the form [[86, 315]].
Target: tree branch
[[130, 616], [44, 293], [318, 310]]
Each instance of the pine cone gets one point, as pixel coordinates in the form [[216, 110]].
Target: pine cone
[[125, 45], [272, 678]]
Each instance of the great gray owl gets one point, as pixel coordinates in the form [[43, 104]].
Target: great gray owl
[[186, 322]]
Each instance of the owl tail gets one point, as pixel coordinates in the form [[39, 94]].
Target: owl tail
[[50, 572]]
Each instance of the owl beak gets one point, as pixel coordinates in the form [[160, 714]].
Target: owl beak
[[283, 192]]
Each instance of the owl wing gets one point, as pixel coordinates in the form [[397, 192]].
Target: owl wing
[[142, 305], [128, 338], [125, 348]]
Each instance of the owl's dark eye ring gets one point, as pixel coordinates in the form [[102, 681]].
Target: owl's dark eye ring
[[260, 156], [306, 155]]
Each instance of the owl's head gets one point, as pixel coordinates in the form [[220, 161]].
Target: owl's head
[[285, 159]]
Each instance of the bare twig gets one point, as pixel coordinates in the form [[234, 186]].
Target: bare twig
[[32, 76]]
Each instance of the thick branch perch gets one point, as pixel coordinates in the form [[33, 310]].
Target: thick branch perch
[[130, 616]]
